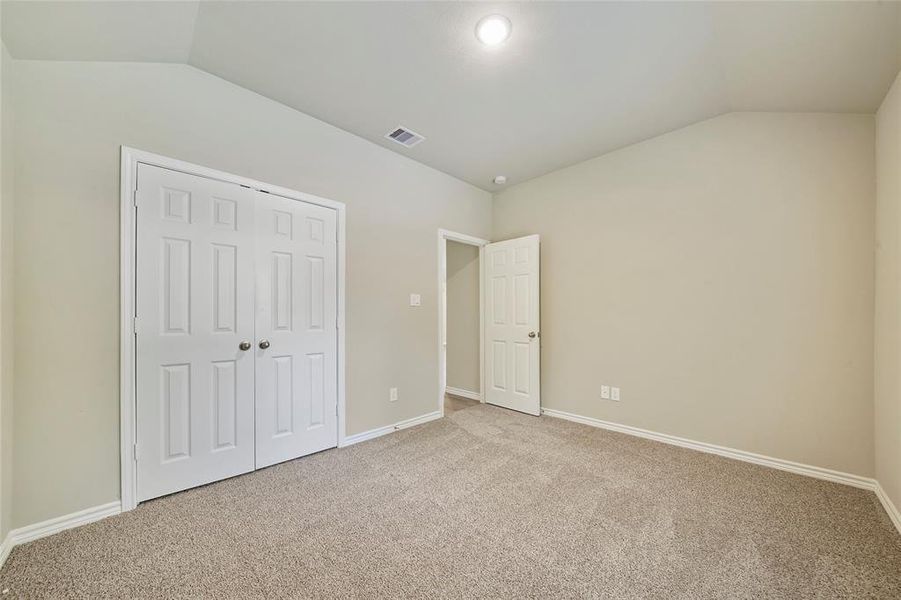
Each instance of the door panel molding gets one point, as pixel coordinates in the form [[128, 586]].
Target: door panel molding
[[190, 372], [295, 410], [176, 208], [512, 324]]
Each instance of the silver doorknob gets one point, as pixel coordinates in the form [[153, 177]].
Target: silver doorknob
[[264, 344], [533, 335], [245, 346]]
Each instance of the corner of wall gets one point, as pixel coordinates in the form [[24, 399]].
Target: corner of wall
[[6, 296], [887, 315]]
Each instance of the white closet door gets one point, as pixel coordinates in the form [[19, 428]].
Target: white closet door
[[195, 386], [296, 326], [512, 328]]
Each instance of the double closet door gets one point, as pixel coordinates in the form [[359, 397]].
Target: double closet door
[[236, 330]]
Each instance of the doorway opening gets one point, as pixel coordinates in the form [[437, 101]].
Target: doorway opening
[[509, 337], [461, 297]]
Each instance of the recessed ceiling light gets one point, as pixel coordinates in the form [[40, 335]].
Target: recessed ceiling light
[[493, 30], [500, 180]]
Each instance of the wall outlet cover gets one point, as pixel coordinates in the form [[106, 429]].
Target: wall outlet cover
[[605, 392], [614, 394], [392, 395], [415, 300]]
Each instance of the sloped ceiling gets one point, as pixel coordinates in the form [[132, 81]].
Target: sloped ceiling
[[575, 80]]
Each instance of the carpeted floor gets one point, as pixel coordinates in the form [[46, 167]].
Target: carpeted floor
[[454, 403], [485, 503]]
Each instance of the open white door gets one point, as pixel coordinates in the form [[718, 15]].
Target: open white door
[[512, 333]]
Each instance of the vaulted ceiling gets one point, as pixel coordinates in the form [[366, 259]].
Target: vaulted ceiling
[[575, 80]]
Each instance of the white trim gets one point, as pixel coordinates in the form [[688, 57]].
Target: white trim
[[758, 459], [462, 238], [29, 533], [130, 158], [380, 431], [443, 236], [127, 227], [5, 548], [893, 513], [461, 393], [50, 526]]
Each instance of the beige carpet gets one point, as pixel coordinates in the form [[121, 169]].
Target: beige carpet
[[485, 503], [454, 403]]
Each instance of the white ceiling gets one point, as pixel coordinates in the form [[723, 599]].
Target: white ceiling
[[575, 80]]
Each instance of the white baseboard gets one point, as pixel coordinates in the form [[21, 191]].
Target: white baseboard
[[893, 513], [36, 531], [5, 548], [380, 431], [51, 526], [758, 459], [461, 393], [857, 481]]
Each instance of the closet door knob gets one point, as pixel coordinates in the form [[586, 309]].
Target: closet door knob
[[264, 344], [245, 346]]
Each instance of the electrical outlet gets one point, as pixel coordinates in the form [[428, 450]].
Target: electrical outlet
[[392, 395], [415, 300], [605, 392], [614, 394]]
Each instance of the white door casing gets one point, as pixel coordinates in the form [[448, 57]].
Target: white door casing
[[296, 397], [194, 306], [512, 325], [444, 236]]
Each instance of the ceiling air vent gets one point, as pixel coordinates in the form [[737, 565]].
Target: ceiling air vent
[[404, 137]]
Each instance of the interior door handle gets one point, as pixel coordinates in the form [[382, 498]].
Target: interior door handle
[[245, 346], [533, 335], [264, 344]]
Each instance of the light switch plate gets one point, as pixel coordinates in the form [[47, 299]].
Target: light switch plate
[[614, 394], [605, 392], [415, 300], [392, 395]]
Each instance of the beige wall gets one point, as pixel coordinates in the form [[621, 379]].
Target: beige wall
[[888, 295], [463, 317], [722, 276], [70, 120], [6, 293]]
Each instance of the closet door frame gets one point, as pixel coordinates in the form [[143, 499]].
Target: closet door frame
[[130, 159]]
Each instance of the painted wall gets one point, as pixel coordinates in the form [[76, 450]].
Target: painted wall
[[463, 317], [6, 293], [722, 276], [70, 120], [888, 295]]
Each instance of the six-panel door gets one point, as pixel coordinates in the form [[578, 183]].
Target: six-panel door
[[512, 333], [220, 266], [296, 291], [195, 305]]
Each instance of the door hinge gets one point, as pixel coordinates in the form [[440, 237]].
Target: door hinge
[[134, 325], [134, 197], [134, 450]]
